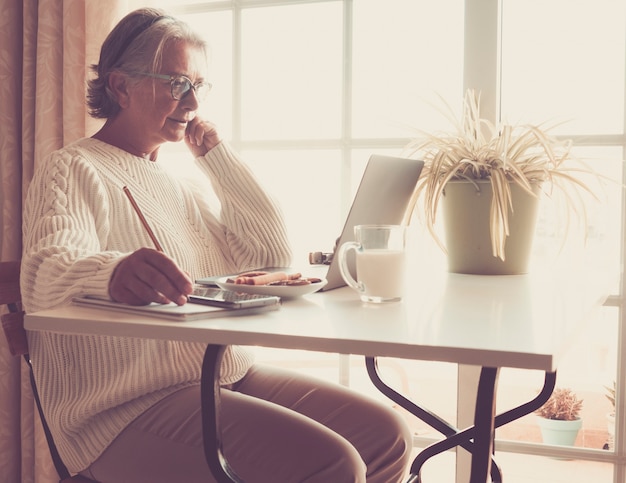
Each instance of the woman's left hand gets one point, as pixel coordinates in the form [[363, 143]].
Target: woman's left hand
[[201, 136]]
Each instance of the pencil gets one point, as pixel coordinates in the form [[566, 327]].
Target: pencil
[[144, 222]]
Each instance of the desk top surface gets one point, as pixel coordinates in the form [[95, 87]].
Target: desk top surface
[[523, 321]]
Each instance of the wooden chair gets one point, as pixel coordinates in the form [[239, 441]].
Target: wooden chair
[[13, 326]]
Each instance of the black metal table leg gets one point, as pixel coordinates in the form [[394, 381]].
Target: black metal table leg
[[465, 438], [454, 437], [531, 406], [484, 425], [211, 430], [462, 439], [425, 415]]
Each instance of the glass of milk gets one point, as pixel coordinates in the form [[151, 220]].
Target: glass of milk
[[380, 253]]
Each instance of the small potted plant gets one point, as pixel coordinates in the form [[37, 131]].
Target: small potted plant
[[610, 417], [488, 179], [559, 418]]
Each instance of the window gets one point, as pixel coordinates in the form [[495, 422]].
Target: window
[[307, 90]]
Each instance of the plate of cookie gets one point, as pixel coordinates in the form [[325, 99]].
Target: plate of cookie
[[281, 284]]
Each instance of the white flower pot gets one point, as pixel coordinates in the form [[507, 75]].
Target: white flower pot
[[559, 432]]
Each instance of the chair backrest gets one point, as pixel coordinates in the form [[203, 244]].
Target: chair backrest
[[13, 321], [13, 326]]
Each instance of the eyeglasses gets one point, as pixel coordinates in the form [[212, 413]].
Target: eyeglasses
[[180, 85]]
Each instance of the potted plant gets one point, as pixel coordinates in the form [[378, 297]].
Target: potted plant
[[610, 417], [500, 169], [559, 418]]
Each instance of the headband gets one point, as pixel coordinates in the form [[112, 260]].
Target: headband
[[137, 31]]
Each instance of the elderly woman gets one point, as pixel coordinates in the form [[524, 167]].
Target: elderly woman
[[126, 409]]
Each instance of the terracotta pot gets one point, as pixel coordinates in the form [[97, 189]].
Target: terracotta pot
[[466, 210]]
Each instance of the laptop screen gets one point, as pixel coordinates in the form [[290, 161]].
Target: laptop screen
[[382, 198]]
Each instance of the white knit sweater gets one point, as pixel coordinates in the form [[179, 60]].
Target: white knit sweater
[[78, 225]]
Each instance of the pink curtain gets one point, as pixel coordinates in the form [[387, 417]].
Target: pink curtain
[[46, 47]]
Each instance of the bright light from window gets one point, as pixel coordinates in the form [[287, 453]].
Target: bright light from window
[[407, 54], [291, 72], [564, 60]]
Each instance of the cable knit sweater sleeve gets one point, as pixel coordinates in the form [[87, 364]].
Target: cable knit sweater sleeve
[[78, 225], [248, 214], [65, 228]]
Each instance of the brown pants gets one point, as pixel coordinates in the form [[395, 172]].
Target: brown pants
[[278, 427]]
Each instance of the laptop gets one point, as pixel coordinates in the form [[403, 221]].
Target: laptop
[[382, 198]]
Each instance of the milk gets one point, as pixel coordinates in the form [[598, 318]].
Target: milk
[[382, 272]]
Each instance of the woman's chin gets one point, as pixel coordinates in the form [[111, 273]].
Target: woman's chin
[[175, 135]]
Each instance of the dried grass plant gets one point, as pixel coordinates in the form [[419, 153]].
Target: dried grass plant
[[563, 405], [501, 154]]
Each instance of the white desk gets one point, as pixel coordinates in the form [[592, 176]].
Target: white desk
[[523, 322]]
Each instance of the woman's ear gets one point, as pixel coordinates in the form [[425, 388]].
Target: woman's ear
[[119, 87]]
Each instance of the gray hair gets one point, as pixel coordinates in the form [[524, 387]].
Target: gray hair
[[135, 44]]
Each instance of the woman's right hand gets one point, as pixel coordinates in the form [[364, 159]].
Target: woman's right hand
[[201, 136], [148, 275]]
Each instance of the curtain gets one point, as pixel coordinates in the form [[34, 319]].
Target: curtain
[[46, 47]]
